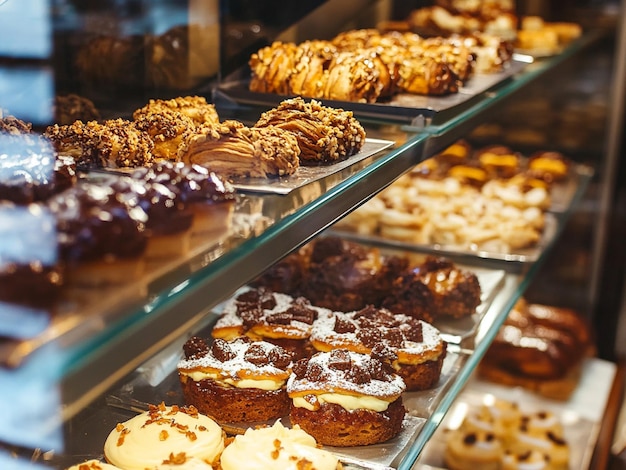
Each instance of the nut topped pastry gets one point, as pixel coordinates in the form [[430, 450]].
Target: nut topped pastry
[[234, 150], [236, 381], [116, 143], [154, 436], [324, 134], [343, 398], [271, 316], [195, 108], [418, 346]]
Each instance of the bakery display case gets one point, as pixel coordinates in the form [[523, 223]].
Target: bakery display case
[[75, 369]]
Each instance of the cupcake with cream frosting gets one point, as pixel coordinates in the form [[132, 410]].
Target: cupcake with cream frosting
[[157, 436], [277, 447]]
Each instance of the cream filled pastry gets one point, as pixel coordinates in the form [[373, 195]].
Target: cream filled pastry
[[270, 316], [418, 345], [344, 398], [153, 437], [277, 447], [236, 381]]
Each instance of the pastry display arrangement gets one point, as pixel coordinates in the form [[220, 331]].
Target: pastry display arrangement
[[295, 379], [501, 435], [540, 348], [177, 437], [64, 228], [189, 130], [491, 199], [368, 66], [164, 186], [529, 34]]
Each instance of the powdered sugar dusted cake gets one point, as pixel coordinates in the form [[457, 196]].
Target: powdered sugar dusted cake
[[418, 345], [270, 316], [344, 398], [236, 381]]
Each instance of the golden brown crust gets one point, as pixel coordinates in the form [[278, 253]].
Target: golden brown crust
[[422, 376], [323, 134], [115, 143], [166, 132], [272, 66], [232, 404], [195, 108], [334, 426]]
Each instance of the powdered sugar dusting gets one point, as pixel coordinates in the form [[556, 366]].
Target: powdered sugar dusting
[[324, 331], [233, 366], [333, 380]]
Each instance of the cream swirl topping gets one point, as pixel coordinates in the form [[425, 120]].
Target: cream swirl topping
[[276, 447], [153, 437]]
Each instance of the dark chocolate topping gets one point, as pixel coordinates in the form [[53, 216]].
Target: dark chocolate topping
[[94, 222]]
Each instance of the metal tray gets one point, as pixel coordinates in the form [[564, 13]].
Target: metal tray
[[402, 107], [563, 195], [307, 174], [157, 382]]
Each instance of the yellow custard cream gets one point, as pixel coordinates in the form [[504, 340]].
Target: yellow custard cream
[[158, 435], [276, 447], [262, 384], [348, 402]]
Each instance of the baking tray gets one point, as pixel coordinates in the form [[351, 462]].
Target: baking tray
[[307, 174], [401, 107], [581, 415]]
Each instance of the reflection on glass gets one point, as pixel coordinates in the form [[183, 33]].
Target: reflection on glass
[[25, 29]]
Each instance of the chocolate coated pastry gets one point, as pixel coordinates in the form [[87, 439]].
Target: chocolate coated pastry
[[94, 223], [30, 269]]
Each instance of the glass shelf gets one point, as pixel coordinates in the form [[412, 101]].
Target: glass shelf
[[80, 361]]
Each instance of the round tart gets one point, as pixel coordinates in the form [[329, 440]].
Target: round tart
[[343, 398], [236, 381], [154, 436], [418, 345]]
